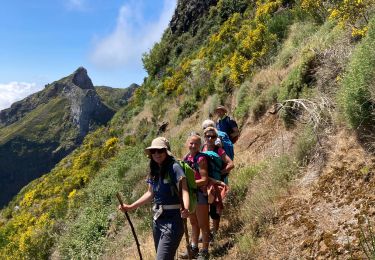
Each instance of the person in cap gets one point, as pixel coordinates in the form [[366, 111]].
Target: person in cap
[[227, 124], [166, 183]]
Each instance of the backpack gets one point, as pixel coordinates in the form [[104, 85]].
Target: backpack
[[215, 163], [227, 144], [191, 184], [226, 124]]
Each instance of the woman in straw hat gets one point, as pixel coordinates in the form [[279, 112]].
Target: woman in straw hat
[[165, 176]]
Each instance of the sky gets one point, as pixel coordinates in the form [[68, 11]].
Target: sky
[[45, 40]]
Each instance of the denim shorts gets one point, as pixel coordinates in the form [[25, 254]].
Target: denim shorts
[[202, 198]]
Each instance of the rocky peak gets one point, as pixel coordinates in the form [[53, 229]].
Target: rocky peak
[[81, 79]]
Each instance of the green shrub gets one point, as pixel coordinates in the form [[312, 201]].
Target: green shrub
[[187, 109], [158, 57], [298, 35], [243, 99], [306, 142], [298, 78], [357, 95], [294, 86], [279, 24]]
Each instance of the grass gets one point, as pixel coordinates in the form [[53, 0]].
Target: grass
[[367, 240]]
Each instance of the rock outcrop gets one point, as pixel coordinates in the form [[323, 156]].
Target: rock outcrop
[[187, 14]]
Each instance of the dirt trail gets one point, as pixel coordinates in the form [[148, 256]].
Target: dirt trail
[[327, 208]]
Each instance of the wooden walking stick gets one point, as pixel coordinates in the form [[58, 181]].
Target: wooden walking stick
[[131, 225]]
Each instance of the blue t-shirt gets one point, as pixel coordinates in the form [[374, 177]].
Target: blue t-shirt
[[165, 192]]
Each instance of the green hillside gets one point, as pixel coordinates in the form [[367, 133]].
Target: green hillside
[[115, 98], [298, 77]]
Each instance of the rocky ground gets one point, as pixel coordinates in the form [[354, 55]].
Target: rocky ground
[[331, 209]]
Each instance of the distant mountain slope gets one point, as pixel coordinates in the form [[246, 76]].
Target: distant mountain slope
[[115, 98], [37, 132]]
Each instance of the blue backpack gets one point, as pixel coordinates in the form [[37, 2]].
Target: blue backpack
[[215, 163], [227, 144]]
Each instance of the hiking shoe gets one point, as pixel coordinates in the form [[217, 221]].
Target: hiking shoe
[[194, 253], [203, 255]]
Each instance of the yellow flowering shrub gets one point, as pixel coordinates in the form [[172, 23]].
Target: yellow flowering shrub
[[173, 82], [266, 8], [352, 13], [110, 147], [82, 160]]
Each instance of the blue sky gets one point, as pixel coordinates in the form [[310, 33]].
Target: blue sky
[[45, 40]]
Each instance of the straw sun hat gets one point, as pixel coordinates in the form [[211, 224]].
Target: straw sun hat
[[159, 143]]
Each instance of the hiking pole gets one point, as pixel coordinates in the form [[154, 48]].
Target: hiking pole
[[184, 222], [131, 226]]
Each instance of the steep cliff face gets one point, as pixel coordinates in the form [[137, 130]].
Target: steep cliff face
[[37, 132], [86, 108], [188, 13]]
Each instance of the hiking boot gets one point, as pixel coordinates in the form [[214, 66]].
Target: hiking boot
[[203, 255], [194, 253]]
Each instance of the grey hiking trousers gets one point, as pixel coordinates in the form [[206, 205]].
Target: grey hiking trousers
[[167, 232]]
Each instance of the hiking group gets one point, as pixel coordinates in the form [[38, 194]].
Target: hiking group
[[193, 188]]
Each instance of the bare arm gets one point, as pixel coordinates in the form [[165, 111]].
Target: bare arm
[[203, 171], [185, 197], [145, 198], [229, 165]]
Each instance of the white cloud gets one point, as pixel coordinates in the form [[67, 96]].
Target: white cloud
[[132, 36], [14, 91], [76, 4]]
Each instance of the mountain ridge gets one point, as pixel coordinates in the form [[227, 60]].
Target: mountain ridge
[[40, 130]]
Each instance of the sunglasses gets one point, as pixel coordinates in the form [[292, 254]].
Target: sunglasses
[[159, 151], [210, 136]]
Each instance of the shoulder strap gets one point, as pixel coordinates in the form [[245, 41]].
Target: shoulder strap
[[196, 157], [173, 185]]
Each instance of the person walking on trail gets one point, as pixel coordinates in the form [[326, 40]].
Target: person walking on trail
[[210, 135], [223, 140], [199, 220], [165, 175], [227, 124]]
